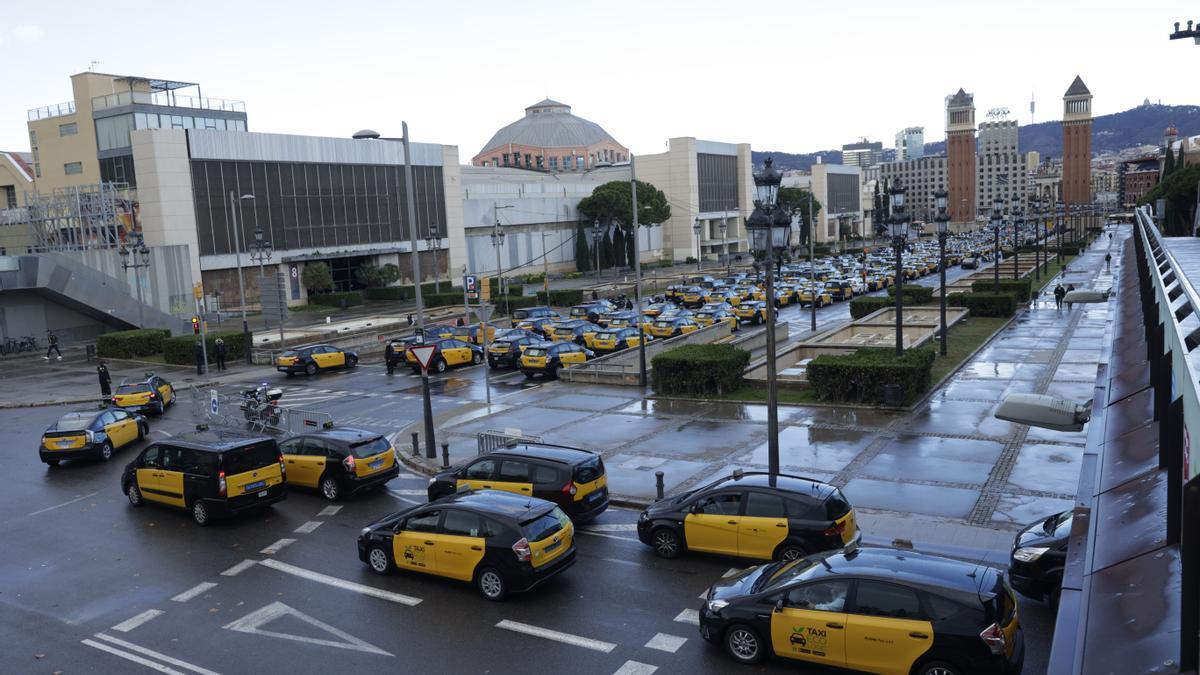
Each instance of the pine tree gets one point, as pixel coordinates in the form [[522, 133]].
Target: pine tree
[[1168, 162], [606, 251], [583, 254], [618, 247]]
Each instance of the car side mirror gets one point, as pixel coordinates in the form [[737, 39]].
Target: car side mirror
[[779, 605]]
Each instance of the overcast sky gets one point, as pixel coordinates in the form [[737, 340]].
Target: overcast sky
[[796, 76]]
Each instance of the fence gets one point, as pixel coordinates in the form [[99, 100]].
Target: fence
[[226, 410], [494, 440]]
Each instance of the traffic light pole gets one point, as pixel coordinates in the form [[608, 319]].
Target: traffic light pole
[[430, 444]]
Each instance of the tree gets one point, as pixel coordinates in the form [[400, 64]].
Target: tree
[[1179, 192], [611, 204], [1168, 163], [373, 276], [619, 247], [583, 254], [606, 251], [316, 277]]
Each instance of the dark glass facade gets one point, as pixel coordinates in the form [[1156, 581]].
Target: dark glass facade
[[843, 193], [118, 170], [312, 206], [718, 184]]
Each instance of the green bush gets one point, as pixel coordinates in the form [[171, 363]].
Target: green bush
[[181, 350], [561, 298], [441, 299], [913, 294], [985, 304], [1067, 249], [516, 302], [129, 343], [861, 376], [710, 369], [388, 293], [514, 288], [573, 275], [865, 304], [1018, 287], [351, 299]]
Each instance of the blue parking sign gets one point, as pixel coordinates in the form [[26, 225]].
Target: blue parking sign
[[471, 286]]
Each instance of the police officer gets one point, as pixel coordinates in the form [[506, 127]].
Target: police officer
[[199, 358], [389, 354], [220, 351], [105, 380]]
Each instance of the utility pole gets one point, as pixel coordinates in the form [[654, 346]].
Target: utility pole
[[812, 263], [637, 276], [247, 343], [545, 268], [410, 201]]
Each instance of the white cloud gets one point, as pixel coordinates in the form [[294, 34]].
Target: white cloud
[[28, 33]]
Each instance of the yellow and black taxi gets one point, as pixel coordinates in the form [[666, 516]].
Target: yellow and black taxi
[[579, 331], [91, 434], [506, 351], [839, 289], [314, 359], [754, 311], [573, 478], [499, 542], [550, 357], [877, 610], [709, 316], [592, 311], [1039, 554], [541, 325], [751, 515], [813, 293], [339, 461], [151, 395], [209, 472], [446, 353], [656, 308], [527, 313], [400, 347], [672, 327], [690, 296], [614, 340], [468, 333], [619, 319]]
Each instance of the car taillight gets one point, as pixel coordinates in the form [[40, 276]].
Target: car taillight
[[569, 488], [348, 462], [282, 468], [993, 636], [153, 396], [221, 483], [836, 529], [521, 548], [114, 400]]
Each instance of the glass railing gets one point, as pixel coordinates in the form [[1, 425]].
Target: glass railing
[[162, 98], [48, 111]]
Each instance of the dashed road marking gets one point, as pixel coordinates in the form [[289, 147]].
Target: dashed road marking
[[252, 623], [147, 652], [606, 536], [192, 592], [635, 668], [557, 636], [408, 475], [59, 506], [410, 493], [730, 572], [329, 511], [308, 527], [340, 583], [277, 546], [393, 495], [135, 621], [612, 527], [666, 643], [239, 568], [691, 616]]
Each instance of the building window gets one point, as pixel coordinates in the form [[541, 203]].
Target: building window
[[540, 162], [10, 196], [73, 168], [554, 163], [579, 163], [528, 161], [69, 129]]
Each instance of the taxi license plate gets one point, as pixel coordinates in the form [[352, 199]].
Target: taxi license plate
[[65, 444], [553, 546], [250, 487], [596, 496], [376, 464]]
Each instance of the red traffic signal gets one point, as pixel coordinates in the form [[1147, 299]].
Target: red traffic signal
[[196, 325]]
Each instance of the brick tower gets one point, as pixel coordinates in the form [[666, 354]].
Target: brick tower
[[960, 156], [1077, 144]]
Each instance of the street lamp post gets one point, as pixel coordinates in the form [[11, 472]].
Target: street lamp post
[[136, 257], [1018, 221], [237, 250], [997, 223], [843, 220], [261, 251], [1059, 219], [941, 199], [433, 241], [699, 255], [725, 242], [1035, 215], [769, 229], [597, 237], [899, 223]]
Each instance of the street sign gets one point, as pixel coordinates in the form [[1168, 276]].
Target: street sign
[[197, 290], [213, 401], [471, 286], [423, 354]]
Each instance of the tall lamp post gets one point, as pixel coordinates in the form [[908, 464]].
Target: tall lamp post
[[261, 251], [843, 221], [1018, 220], [899, 223], [597, 237], [1059, 219], [134, 256], [699, 255], [941, 200], [234, 212], [769, 229], [1035, 215], [433, 241], [724, 225], [997, 223]]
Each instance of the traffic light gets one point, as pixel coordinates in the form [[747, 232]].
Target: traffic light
[[196, 325]]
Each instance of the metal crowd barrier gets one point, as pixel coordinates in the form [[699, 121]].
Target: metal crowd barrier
[[227, 412], [494, 440]]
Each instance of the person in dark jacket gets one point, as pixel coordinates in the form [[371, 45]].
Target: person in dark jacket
[[1107, 260], [1059, 292], [219, 346], [199, 358], [52, 345], [105, 380], [1070, 287], [461, 322], [389, 355]]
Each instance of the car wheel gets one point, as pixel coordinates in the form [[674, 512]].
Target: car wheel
[[377, 559], [528, 376], [439, 365], [789, 551], [134, 494], [492, 364], [476, 358], [666, 544], [200, 513], [310, 369], [938, 668], [351, 361], [491, 584], [744, 644], [143, 431], [330, 489], [162, 408], [105, 452]]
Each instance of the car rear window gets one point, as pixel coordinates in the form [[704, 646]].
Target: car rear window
[[605, 336], [521, 314], [289, 352], [535, 351], [836, 505], [133, 389], [545, 525], [251, 457], [370, 448], [73, 424], [590, 470]]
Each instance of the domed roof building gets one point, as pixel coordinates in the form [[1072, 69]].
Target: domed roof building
[[550, 138]]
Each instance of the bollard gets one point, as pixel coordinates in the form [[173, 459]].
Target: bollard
[[416, 445], [658, 483], [445, 455]]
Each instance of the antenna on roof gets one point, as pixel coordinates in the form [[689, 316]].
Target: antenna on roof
[[92, 65]]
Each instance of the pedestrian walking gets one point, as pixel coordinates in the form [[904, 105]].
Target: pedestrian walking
[[1059, 293], [629, 304], [595, 296], [1070, 287], [105, 380], [1107, 260], [389, 355], [461, 322], [52, 345], [199, 358], [220, 351]]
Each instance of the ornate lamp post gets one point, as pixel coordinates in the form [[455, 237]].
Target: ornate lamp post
[[1018, 216], [899, 223], [843, 221], [941, 200], [1035, 215], [597, 237], [997, 223], [1059, 220], [135, 255], [261, 251], [724, 225], [696, 231], [769, 229], [433, 241]]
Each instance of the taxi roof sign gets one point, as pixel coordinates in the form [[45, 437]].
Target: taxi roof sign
[[423, 354]]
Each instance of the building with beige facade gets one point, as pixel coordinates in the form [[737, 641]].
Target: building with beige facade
[[920, 178], [1002, 167], [550, 138], [839, 190]]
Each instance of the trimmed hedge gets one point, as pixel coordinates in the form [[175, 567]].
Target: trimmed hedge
[[710, 369], [441, 299], [181, 350], [561, 298], [398, 293], [913, 294], [1018, 287], [516, 302], [1067, 249], [860, 377], [351, 299], [985, 304], [126, 344], [865, 304]]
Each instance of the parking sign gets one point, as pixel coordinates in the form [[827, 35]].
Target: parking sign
[[471, 286]]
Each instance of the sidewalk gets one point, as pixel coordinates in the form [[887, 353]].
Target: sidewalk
[[947, 475]]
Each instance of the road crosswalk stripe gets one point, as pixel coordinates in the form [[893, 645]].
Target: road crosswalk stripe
[[153, 665], [320, 578], [666, 643], [557, 636], [635, 668], [308, 527], [153, 654], [192, 592], [691, 616], [277, 546], [329, 511], [239, 568], [135, 621]]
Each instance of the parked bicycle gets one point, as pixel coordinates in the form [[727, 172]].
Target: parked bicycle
[[15, 346]]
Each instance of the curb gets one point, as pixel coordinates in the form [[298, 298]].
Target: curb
[[5, 405]]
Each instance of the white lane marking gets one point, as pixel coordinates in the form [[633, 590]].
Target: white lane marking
[[409, 398], [308, 527], [635, 668], [160, 431], [398, 598], [153, 654], [277, 546], [239, 568], [730, 572], [192, 592], [132, 657], [623, 562], [612, 527], [408, 475], [252, 623], [135, 621], [519, 391], [666, 643], [703, 596], [59, 506], [557, 636], [691, 616], [409, 493], [329, 511], [606, 536], [403, 499]]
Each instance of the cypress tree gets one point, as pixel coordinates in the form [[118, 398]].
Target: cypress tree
[[618, 247], [631, 251], [1168, 162], [606, 251], [583, 254]]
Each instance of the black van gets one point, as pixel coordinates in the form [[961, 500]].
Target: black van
[[211, 473]]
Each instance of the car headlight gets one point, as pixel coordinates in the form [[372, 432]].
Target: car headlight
[[432, 481], [1029, 553], [365, 531], [645, 515], [716, 605]]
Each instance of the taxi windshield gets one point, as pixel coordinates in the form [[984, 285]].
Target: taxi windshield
[[133, 388], [289, 352], [784, 573], [662, 324], [370, 448], [249, 458], [521, 314]]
